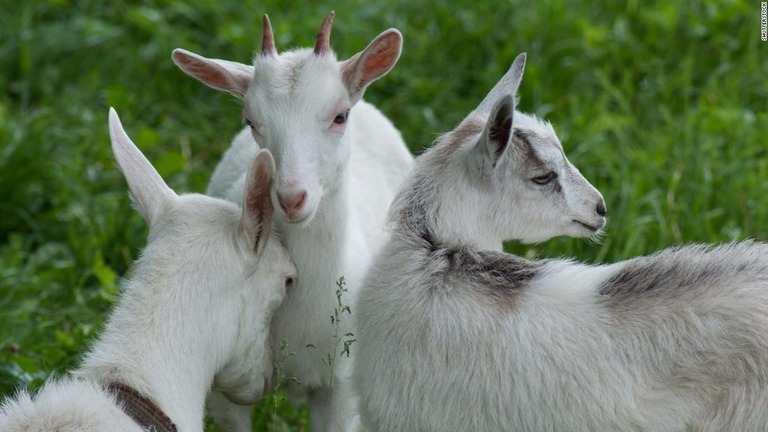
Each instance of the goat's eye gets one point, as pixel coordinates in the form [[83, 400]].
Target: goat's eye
[[254, 127], [341, 117], [289, 282], [250, 124], [542, 180]]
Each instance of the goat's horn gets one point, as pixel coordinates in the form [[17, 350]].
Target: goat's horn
[[268, 40], [323, 44]]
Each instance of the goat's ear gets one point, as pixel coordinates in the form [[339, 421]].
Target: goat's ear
[[372, 63], [496, 136], [223, 75], [257, 201], [150, 193], [507, 85]]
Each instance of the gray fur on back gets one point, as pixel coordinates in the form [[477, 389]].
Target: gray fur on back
[[687, 272], [452, 338]]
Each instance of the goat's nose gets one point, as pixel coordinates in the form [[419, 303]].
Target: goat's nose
[[291, 202], [600, 209]]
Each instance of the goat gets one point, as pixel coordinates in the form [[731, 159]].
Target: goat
[[209, 271], [455, 335], [340, 162]]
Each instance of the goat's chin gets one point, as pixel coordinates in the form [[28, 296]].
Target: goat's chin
[[240, 386], [580, 229], [570, 229], [301, 220], [244, 396], [537, 237]]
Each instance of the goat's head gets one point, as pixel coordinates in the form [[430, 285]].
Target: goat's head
[[507, 172], [222, 259], [297, 105], [519, 167]]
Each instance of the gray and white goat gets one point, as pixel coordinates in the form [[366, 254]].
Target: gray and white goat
[[455, 335]]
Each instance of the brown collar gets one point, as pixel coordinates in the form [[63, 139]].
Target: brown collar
[[142, 410]]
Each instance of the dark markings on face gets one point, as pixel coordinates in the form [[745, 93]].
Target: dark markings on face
[[522, 140]]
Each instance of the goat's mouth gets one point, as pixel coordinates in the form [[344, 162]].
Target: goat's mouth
[[299, 220], [593, 228]]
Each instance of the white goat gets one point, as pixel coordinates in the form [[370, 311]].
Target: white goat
[[340, 162], [209, 271], [455, 337]]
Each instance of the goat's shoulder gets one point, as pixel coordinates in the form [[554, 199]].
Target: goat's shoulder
[[460, 271]]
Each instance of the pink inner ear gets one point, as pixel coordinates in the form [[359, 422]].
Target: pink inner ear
[[211, 76], [371, 64], [258, 200], [216, 74], [201, 70], [380, 61]]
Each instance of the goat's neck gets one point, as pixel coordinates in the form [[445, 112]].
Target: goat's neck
[[171, 363], [463, 220]]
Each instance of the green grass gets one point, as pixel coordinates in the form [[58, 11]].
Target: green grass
[[662, 105]]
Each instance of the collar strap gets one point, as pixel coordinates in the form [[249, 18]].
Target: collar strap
[[142, 410]]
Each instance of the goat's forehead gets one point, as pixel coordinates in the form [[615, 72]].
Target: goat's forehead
[[547, 148], [276, 256], [200, 213], [538, 133], [534, 125], [541, 139], [293, 72]]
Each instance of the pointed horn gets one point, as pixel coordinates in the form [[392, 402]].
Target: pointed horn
[[323, 44], [268, 40]]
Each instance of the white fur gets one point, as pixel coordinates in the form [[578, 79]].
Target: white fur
[[452, 337], [195, 312], [349, 173]]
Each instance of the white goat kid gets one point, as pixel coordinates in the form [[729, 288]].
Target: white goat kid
[[209, 271], [340, 162], [457, 338]]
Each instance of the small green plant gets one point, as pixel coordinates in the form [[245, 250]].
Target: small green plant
[[278, 394], [342, 343]]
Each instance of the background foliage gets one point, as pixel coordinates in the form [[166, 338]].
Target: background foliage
[[662, 105]]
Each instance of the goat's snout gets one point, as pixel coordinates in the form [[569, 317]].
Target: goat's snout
[[291, 202], [600, 208]]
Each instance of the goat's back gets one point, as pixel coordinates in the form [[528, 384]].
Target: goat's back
[[66, 405], [438, 351]]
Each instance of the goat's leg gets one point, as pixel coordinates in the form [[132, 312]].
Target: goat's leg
[[318, 410], [343, 410]]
